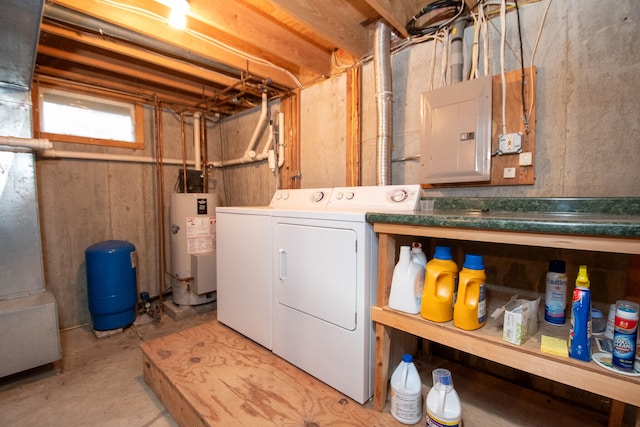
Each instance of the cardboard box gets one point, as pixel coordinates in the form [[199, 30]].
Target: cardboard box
[[520, 320]]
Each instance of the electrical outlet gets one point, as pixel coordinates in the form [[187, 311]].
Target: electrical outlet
[[510, 143], [525, 159], [509, 173]]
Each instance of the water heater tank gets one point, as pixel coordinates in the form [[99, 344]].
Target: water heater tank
[[193, 247]]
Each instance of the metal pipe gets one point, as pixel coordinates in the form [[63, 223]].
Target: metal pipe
[[457, 58], [196, 141], [384, 100]]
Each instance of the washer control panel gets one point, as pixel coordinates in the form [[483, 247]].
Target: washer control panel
[[384, 197]]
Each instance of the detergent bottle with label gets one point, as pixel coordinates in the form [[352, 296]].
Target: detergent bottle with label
[[406, 292], [443, 404], [470, 309], [406, 392], [440, 286]]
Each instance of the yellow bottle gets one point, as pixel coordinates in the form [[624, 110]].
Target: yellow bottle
[[470, 309], [440, 286]]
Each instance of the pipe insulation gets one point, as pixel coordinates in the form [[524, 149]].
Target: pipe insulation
[[58, 154], [384, 100], [33, 144]]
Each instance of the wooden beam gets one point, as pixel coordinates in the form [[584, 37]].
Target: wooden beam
[[354, 142], [334, 20], [124, 70], [232, 22], [150, 23], [139, 54]]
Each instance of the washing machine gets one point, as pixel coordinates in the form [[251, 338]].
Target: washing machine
[[324, 269]]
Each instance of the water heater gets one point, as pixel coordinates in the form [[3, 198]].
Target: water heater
[[193, 247]]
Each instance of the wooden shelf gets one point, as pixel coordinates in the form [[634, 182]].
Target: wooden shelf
[[487, 342]]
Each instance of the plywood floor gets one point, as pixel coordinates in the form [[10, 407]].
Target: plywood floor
[[209, 375]]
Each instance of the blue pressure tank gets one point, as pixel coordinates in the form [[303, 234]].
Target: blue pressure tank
[[111, 283]]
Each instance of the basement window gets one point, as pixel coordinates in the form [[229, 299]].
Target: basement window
[[87, 119]]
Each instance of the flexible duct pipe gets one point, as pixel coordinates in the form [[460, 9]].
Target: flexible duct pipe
[[384, 100], [33, 144], [196, 141]]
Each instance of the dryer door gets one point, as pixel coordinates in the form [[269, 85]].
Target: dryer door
[[315, 271]]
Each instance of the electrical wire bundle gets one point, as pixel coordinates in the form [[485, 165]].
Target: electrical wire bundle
[[440, 11]]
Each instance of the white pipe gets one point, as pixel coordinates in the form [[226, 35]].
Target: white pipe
[[196, 141], [249, 155], [57, 154], [280, 139], [265, 150], [34, 144]]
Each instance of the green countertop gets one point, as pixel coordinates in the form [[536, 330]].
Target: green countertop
[[583, 216]]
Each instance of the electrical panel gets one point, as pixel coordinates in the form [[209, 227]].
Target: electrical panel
[[456, 133]]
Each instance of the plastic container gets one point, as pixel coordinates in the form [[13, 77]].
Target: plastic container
[[611, 320], [406, 392], [443, 404], [580, 329], [440, 286], [625, 335], [470, 308], [406, 291], [111, 284], [416, 251], [419, 259], [556, 293]]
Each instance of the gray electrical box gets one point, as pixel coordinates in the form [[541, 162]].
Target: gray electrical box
[[456, 133]]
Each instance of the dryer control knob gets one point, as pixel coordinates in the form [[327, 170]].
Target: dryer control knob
[[339, 195], [318, 196], [399, 196], [350, 195]]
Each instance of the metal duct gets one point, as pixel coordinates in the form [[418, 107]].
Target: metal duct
[[19, 34], [384, 100]]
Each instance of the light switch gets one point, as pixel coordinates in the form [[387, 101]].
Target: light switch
[[525, 159]]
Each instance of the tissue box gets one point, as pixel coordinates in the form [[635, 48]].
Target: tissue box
[[520, 321]]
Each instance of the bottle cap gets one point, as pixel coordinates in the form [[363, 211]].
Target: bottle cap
[[407, 358], [582, 281], [443, 252], [557, 266], [442, 376], [473, 262]]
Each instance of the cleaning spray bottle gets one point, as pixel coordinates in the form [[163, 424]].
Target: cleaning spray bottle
[[406, 293], [443, 404], [580, 329], [440, 286]]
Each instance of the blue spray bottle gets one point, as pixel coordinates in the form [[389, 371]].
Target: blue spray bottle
[[580, 331]]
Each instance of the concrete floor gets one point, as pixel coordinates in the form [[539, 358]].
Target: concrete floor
[[101, 382]]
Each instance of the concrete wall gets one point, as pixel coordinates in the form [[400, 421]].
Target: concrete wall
[[587, 134]]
